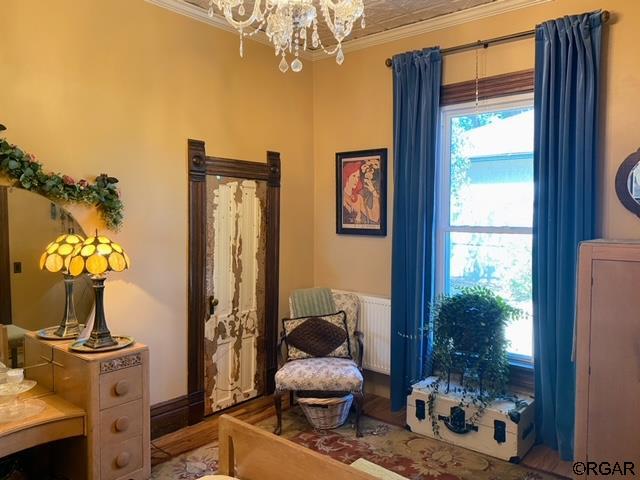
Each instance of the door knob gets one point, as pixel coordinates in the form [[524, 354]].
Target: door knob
[[213, 303]]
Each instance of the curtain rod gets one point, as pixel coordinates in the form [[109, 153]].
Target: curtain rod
[[485, 43]]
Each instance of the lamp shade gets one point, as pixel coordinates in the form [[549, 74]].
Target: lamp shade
[[98, 255], [58, 253]]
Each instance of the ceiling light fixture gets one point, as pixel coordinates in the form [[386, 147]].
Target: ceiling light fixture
[[287, 22]]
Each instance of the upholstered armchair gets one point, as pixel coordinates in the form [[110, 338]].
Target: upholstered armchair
[[325, 376]]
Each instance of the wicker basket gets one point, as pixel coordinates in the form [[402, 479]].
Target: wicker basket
[[326, 413]]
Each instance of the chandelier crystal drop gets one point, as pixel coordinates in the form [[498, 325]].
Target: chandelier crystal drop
[[288, 22]]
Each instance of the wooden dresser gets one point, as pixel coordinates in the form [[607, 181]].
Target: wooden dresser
[[113, 389], [608, 353]]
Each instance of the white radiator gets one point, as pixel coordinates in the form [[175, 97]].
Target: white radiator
[[375, 324]]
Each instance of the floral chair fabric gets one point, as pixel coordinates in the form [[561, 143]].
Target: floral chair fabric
[[325, 374], [350, 304]]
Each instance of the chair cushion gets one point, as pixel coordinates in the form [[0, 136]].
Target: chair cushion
[[317, 336], [325, 374]]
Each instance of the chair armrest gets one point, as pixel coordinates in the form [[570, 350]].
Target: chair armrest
[[359, 337]]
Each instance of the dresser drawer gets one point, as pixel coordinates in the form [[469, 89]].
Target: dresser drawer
[[119, 459], [121, 422], [120, 387]]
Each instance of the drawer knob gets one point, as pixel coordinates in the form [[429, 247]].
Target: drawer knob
[[122, 388], [122, 424], [123, 459]]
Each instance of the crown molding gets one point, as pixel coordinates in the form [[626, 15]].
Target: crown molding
[[197, 13], [486, 10], [449, 20]]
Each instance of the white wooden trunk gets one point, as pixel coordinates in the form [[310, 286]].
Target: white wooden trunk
[[503, 430]]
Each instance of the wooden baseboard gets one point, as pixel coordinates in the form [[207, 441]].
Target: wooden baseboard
[[169, 416]]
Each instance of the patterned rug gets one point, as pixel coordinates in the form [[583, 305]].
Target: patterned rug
[[398, 450]]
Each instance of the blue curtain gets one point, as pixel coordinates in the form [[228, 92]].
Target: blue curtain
[[416, 85], [567, 69]]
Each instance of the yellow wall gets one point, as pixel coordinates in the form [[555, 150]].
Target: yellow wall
[[118, 86], [353, 110]]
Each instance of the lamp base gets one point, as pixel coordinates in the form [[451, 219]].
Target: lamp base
[[68, 327], [121, 342], [100, 340], [69, 330], [100, 337], [50, 333]]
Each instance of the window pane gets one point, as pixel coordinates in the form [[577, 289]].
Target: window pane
[[492, 168], [501, 262]]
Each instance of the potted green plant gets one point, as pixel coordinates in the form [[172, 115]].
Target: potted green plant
[[469, 341]]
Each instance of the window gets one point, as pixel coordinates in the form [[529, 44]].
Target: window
[[485, 206]]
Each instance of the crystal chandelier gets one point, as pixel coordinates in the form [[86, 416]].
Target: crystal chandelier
[[287, 23]]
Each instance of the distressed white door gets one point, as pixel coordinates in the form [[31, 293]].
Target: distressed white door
[[235, 285]]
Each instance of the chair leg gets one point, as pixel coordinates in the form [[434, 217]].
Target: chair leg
[[359, 398], [277, 399]]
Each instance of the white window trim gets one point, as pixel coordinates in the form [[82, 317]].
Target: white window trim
[[443, 169]]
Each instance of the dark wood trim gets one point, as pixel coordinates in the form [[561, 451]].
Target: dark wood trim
[[201, 165], [197, 257], [169, 416], [488, 87], [622, 183], [272, 269], [5, 260], [521, 377], [227, 167]]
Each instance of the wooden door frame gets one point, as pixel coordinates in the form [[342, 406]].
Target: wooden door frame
[[5, 259], [201, 165]]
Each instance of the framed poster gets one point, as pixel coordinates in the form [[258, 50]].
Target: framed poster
[[361, 192]]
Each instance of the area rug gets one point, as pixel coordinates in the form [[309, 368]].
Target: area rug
[[398, 450]]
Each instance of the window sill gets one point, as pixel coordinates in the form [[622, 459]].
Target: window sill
[[521, 376]]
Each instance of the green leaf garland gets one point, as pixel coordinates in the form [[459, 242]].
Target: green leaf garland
[[24, 171]]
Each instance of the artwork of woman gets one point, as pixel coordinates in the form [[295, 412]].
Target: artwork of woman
[[361, 192], [361, 195]]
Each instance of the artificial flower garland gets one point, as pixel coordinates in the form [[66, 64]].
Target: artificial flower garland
[[26, 172]]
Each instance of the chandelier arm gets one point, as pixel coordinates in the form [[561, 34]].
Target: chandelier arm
[[242, 24], [257, 29], [325, 50], [327, 17], [329, 3]]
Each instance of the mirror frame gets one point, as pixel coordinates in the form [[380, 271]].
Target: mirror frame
[[622, 183], [5, 259]]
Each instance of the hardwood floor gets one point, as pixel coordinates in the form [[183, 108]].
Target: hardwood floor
[[254, 411], [194, 436]]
